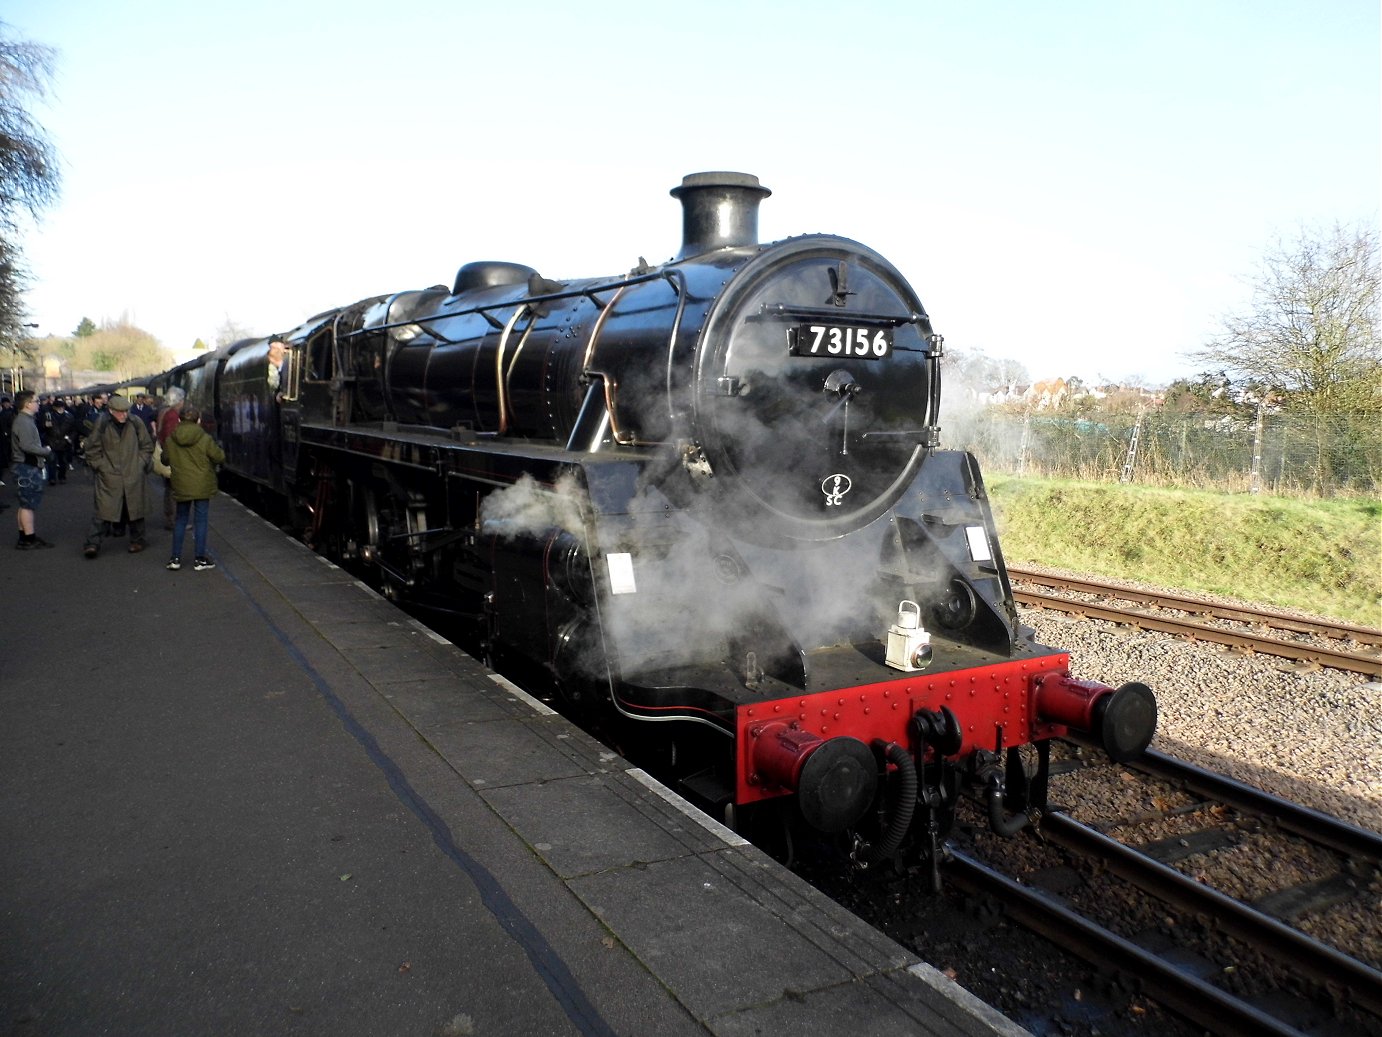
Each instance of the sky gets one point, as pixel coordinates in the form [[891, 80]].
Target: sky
[[1084, 186]]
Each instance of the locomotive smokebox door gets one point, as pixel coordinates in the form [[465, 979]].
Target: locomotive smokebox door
[[816, 406]]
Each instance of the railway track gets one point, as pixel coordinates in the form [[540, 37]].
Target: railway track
[[1117, 891], [1328, 644]]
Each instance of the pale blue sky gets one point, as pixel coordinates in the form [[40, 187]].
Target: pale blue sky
[[1084, 186]]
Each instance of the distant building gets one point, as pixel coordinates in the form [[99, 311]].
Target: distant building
[[1047, 395], [1000, 394], [1053, 393]]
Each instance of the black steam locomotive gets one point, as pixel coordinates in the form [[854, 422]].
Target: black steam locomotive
[[704, 501]]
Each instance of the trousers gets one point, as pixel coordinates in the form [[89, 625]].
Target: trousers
[[198, 510]]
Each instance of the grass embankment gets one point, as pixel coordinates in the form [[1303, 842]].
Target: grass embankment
[[1323, 557]]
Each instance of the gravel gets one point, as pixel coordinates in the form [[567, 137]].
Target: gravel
[[1313, 736]]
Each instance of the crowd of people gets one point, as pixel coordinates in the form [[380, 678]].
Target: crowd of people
[[119, 440]]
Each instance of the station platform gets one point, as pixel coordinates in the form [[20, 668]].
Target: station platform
[[260, 799]]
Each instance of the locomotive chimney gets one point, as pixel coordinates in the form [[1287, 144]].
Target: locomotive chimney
[[718, 210]]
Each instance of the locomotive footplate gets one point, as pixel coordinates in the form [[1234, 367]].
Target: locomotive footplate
[[849, 666]]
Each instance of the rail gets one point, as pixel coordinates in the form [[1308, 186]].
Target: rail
[[1199, 606], [1303, 821], [1139, 617], [1284, 950], [1306, 956], [1202, 1003]]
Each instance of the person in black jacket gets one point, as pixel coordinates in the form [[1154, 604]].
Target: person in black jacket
[[59, 424], [92, 411]]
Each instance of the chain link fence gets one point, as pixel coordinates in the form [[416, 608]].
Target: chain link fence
[[1281, 454]]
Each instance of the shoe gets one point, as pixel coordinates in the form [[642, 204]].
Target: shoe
[[90, 550], [38, 541], [174, 564], [200, 564], [23, 545], [136, 546]]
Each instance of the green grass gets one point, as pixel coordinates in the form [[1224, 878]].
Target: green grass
[[1323, 557]]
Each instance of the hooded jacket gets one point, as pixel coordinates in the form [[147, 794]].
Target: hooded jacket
[[192, 455]]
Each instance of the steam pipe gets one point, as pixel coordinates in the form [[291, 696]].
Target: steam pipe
[[999, 819], [501, 383], [906, 806]]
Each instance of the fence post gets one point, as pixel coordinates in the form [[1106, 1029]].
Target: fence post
[[1256, 477]]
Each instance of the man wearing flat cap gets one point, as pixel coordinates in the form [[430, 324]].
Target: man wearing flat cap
[[119, 453]]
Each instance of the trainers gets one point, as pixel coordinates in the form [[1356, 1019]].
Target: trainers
[[203, 563], [174, 564]]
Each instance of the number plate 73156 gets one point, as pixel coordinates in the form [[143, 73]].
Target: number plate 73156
[[839, 340]]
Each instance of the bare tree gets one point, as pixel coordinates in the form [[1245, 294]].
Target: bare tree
[[230, 332], [12, 281], [1312, 330], [1311, 337], [980, 373], [28, 166]]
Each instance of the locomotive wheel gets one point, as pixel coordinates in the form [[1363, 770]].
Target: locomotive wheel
[[300, 519], [331, 517], [366, 523]]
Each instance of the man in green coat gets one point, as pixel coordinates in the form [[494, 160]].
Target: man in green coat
[[118, 452], [193, 456]]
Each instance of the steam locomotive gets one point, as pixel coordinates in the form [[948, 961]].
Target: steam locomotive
[[703, 503]]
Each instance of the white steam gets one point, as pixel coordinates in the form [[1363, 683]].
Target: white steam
[[528, 508]]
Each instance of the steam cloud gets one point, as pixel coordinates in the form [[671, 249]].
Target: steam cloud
[[705, 593], [527, 508]]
